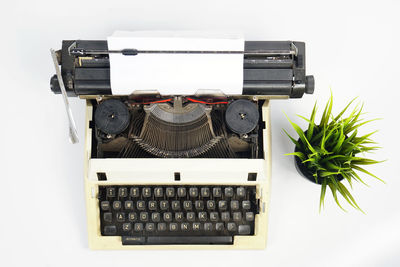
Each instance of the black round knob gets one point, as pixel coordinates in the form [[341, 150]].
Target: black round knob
[[310, 83], [112, 116], [242, 116]]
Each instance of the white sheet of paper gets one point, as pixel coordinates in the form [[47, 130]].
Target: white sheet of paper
[[176, 74]]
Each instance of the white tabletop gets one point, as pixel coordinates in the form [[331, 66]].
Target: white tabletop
[[352, 47]]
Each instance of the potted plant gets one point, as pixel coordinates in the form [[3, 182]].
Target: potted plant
[[327, 153]]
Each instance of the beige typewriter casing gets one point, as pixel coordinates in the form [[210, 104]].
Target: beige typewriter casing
[[192, 171]]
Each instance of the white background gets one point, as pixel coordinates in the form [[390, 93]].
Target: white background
[[352, 47]]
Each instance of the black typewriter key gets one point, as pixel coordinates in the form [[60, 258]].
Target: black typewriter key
[[146, 192], [249, 216], [152, 205], [150, 227], [138, 227], [196, 226], [228, 192], [123, 192], [210, 204], [202, 216], [231, 227], [199, 204], [234, 205], [105, 205], [133, 240], [181, 192], [237, 216], [219, 226], [164, 205], [155, 217], [214, 216], [167, 217], [191, 216], [110, 192], [205, 192], [217, 192], [244, 229], [144, 216], [170, 192], [134, 192], [246, 204], [173, 227], [179, 216], [107, 216], [120, 216], [161, 227], [222, 205], [225, 216], [208, 227], [185, 226], [132, 217], [176, 205], [141, 205], [126, 227], [128, 205], [240, 192], [187, 205], [110, 230], [158, 192], [117, 205], [193, 192]]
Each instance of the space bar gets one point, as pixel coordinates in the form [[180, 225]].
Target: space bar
[[179, 240]]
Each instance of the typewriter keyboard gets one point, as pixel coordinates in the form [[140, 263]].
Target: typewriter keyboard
[[168, 214]]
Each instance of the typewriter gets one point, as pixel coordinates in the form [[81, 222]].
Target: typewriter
[[178, 171]]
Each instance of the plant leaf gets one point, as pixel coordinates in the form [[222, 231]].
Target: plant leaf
[[327, 111], [297, 154], [301, 135], [344, 110], [366, 172], [322, 197], [293, 140], [346, 194], [310, 130], [333, 190]]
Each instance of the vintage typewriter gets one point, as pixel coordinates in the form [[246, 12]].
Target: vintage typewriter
[[174, 171]]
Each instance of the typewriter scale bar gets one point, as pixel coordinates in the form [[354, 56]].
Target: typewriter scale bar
[[134, 52]]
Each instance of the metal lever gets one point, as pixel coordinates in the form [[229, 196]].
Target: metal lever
[[73, 135], [133, 52]]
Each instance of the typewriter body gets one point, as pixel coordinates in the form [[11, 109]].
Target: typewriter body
[[179, 171]]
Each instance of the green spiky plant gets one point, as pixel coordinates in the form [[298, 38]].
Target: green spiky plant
[[329, 150]]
